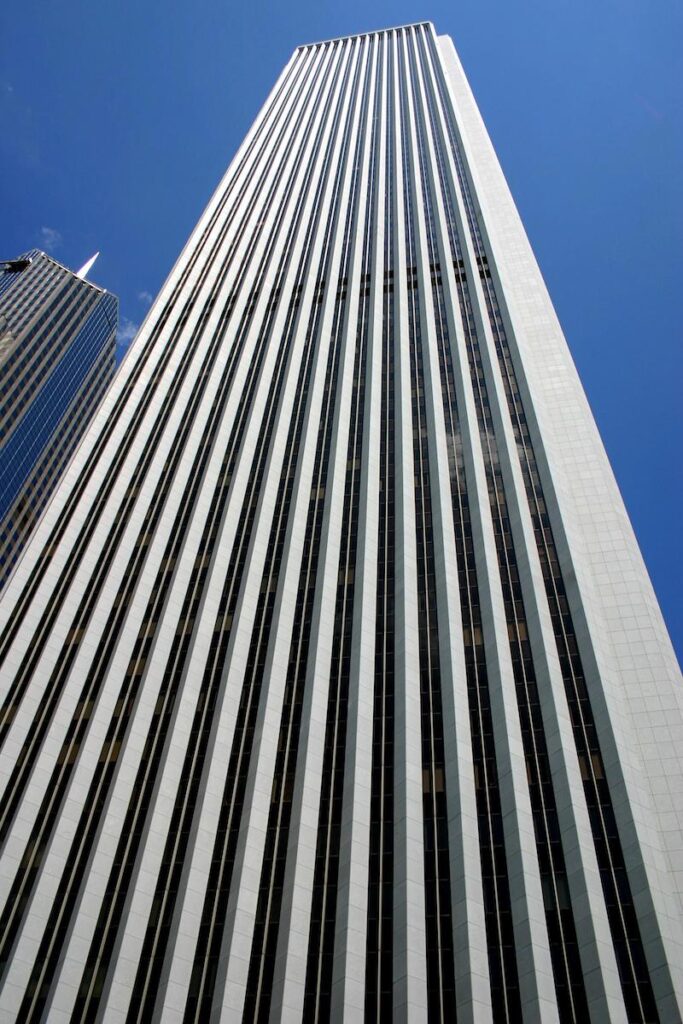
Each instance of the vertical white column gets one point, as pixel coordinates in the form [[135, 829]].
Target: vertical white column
[[249, 857], [587, 900], [472, 984], [294, 935], [410, 969], [348, 982], [537, 989]]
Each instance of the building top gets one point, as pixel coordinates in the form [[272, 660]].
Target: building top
[[23, 262], [30, 285], [363, 35]]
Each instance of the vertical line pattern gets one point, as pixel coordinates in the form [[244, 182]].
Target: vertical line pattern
[[628, 945], [561, 928], [173, 624], [37, 844], [134, 422], [264, 941], [379, 950], [440, 964], [323, 918], [215, 909], [502, 963]]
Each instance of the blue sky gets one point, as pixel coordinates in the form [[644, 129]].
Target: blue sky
[[118, 119]]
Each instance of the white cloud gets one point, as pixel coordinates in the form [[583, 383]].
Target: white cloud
[[50, 239], [126, 332], [146, 297]]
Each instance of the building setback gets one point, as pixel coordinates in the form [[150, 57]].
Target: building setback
[[334, 684], [57, 358]]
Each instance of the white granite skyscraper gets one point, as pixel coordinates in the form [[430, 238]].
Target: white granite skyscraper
[[334, 686]]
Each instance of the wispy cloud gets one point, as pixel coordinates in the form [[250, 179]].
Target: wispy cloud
[[50, 239], [146, 298], [126, 332]]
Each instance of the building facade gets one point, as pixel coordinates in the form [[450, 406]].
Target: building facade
[[57, 358], [334, 686]]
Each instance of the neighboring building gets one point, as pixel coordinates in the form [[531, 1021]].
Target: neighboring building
[[334, 684], [57, 350]]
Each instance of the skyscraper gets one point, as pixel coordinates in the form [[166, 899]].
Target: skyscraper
[[334, 685], [57, 357]]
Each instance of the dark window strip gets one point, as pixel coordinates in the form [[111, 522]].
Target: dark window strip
[[318, 986], [21, 680], [48, 471], [91, 986], [503, 974], [215, 908], [26, 347], [42, 415], [628, 946], [563, 943], [81, 721], [156, 939], [19, 295], [379, 943], [25, 386], [39, 569], [441, 1003], [264, 941]]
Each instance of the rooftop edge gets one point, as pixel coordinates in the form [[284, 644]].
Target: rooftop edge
[[360, 35]]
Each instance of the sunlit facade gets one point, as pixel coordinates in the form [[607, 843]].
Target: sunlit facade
[[334, 684], [57, 358]]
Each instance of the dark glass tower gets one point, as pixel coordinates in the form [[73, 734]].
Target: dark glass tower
[[57, 357], [334, 687]]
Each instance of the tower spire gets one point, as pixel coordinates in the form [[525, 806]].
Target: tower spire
[[87, 267]]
